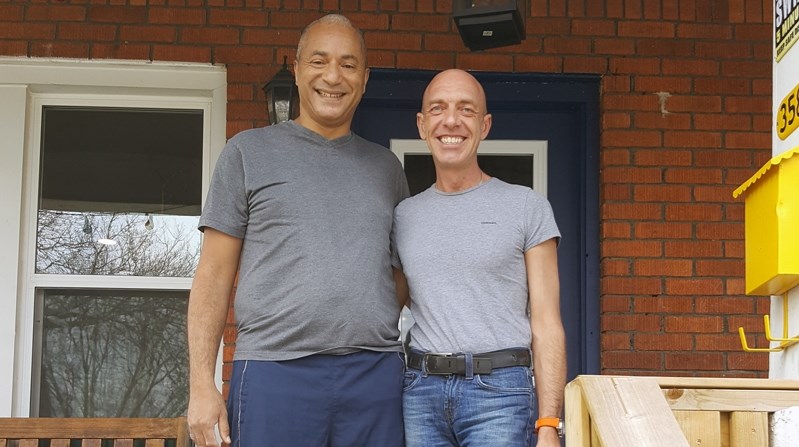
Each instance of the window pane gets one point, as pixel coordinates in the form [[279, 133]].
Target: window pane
[[120, 191], [516, 169], [113, 354]]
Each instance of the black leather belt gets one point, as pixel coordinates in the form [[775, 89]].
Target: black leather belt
[[482, 363]]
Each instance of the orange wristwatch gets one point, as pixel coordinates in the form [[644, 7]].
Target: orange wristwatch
[[555, 423]]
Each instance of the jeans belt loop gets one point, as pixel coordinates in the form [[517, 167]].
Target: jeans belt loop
[[469, 366], [532, 364], [424, 364]]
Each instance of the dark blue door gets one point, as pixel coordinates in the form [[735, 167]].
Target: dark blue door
[[562, 110]]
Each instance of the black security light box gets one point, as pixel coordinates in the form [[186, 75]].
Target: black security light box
[[485, 24]]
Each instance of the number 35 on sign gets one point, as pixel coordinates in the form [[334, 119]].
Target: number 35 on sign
[[788, 114]]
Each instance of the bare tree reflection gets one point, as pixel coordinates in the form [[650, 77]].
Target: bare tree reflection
[[66, 243], [113, 353]]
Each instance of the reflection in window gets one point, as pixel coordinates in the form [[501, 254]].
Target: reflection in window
[[113, 354], [515, 169], [120, 191], [72, 243]]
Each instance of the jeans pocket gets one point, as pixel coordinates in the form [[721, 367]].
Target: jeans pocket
[[517, 379], [411, 378]]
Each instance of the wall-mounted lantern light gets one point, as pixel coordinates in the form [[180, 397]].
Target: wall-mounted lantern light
[[282, 98]]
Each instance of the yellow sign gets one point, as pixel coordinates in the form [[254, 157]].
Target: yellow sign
[[786, 25], [788, 114]]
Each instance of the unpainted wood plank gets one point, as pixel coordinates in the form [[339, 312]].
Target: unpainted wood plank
[[80, 428], [154, 443], [749, 429], [92, 443], [727, 383], [59, 443], [3, 442], [182, 429], [577, 420], [28, 443], [701, 428], [595, 442], [730, 400], [724, 429], [123, 443], [630, 412]]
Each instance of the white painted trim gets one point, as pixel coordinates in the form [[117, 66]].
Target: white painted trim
[[536, 148], [71, 74], [110, 282], [31, 83], [12, 138]]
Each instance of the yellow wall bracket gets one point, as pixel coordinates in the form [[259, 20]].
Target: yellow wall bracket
[[785, 340]]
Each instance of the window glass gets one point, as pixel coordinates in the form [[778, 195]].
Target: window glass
[[120, 191], [113, 354], [516, 169]]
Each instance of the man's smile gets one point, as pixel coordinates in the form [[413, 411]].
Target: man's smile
[[451, 140]]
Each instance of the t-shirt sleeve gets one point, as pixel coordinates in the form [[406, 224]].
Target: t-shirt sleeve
[[540, 221], [401, 186], [396, 262], [225, 207]]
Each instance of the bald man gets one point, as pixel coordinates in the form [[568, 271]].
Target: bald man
[[479, 259]]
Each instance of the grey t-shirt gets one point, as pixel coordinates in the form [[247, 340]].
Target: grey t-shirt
[[463, 255], [315, 217]]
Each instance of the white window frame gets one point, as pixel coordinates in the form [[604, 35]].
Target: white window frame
[[536, 148], [29, 84]]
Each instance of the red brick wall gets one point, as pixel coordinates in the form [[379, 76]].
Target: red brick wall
[[686, 100]]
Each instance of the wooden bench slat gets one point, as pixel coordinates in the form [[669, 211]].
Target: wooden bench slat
[[154, 431], [107, 428]]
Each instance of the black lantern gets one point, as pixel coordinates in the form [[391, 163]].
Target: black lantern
[[282, 98], [485, 24]]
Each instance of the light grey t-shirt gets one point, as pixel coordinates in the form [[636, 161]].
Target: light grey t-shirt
[[463, 255], [315, 216]]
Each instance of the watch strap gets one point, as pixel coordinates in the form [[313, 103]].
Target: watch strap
[[555, 423]]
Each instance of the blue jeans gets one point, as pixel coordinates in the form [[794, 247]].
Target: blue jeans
[[318, 401], [483, 410]]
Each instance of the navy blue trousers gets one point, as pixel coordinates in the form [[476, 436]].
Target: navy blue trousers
[[318, 401]]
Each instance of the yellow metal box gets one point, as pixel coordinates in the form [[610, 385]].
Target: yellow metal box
[[772, 225]]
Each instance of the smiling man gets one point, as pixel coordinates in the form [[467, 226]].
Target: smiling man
[[302, 210], [479, 258]]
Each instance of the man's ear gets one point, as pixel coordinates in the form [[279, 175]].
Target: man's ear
[[365, 80], [420, 126], [486, 126]]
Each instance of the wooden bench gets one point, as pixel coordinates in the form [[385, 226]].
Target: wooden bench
[[91, 432]]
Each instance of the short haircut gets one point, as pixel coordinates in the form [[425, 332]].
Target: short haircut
[[331, 19]]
